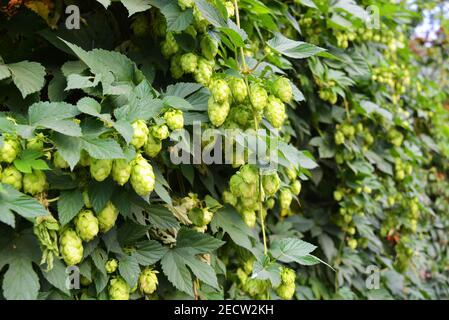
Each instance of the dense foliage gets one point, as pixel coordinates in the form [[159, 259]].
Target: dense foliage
[[350, 202]]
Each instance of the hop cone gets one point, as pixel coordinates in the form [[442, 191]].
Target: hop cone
[[189, 62], [200, 217], [286, 291], [100, 169], [34, 182], [258, 97], [142, 176], [184, 4], [86, 225], [296, 187], [36, 143], [152, 147], [203, 71], [283, 89], [271, 184], [46, 229], [59, 161], [160, 132], [9, 150], [169, 47], [148, 281], [288, 276], [275, 112], [175, 67], [217, 111], [285, 198], [121, 171], [111, 265], [249, 217], [220, 90], [229, 198], [107, 217], [140, 134], [13, 177], [71, 247], [238, 89], [118, 289], [174, 119]]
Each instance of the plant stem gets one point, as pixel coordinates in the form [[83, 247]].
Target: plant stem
[[237, 21]]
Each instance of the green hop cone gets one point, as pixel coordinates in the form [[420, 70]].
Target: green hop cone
[[153, 146], [71, 247], [121, 171], [59, 161], [271, 184], [174, 119], [160, 132], [189, 62], [86, 225], [175, 67], [200, 217], [285, 198], [36, 143], [148, 281], [283, 89], [140, 25], [256, 287], [229, 198], [249, 174], [203, 71], [169, 46], [275, 112], [242, 115], [84, 159], [269, 204], [199, 21], [34, 182], [217, 112], [100, 169], [111, 265], [296, 187], [13, 177], [140, 134], [286, 291], [220, 90], [258, 97], [107, 217], [249, 217], [288, 276], [184, 4], [238, 89], [9, 150], [209, 47], [118, 289], [142, 176], [229, 8]]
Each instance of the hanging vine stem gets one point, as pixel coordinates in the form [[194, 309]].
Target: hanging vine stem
[[245, 71]]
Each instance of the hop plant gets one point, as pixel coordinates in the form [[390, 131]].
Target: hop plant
[[200, 217], [169, 47], [238, 89], [59, 161], [118, 289], [100, 169], [153, 146], [209, 47], [174, 119], [283, 89], [142, 176], [249, 217], [203, 71], [36, 143], [275, 112], [46, 229], [148, 281], [258, 97], [285, 198], [229, 8], [296, 187], [86, 199], [184, 4], [271, 183], [107, 217], [71, 247], [111, 265], [86, 225], [140, 134], [34, 182], [140, 25], [160, 132], [13, 177], [121, 171], [288, 276], [84, 159], [286, 291], [9, 150], [189, 62], [220, 90], [199, 21], [217, 112], [229, 198]]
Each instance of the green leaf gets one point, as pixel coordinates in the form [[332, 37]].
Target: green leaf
[[182, 89], [177, 102], [29, 77], [290, 250], [43, 112], [125, 129], [293, 49], [149, 252], [99, 257], [69, 148], [129, 269], [4, 72], [210, 13], [69, 204], [161, 217], [267, 270], [176, 271], [177, 19], [202, 270], [100, 193], [134, 6], [195, 242], [105, 3], [99, 148], [57, 276]]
